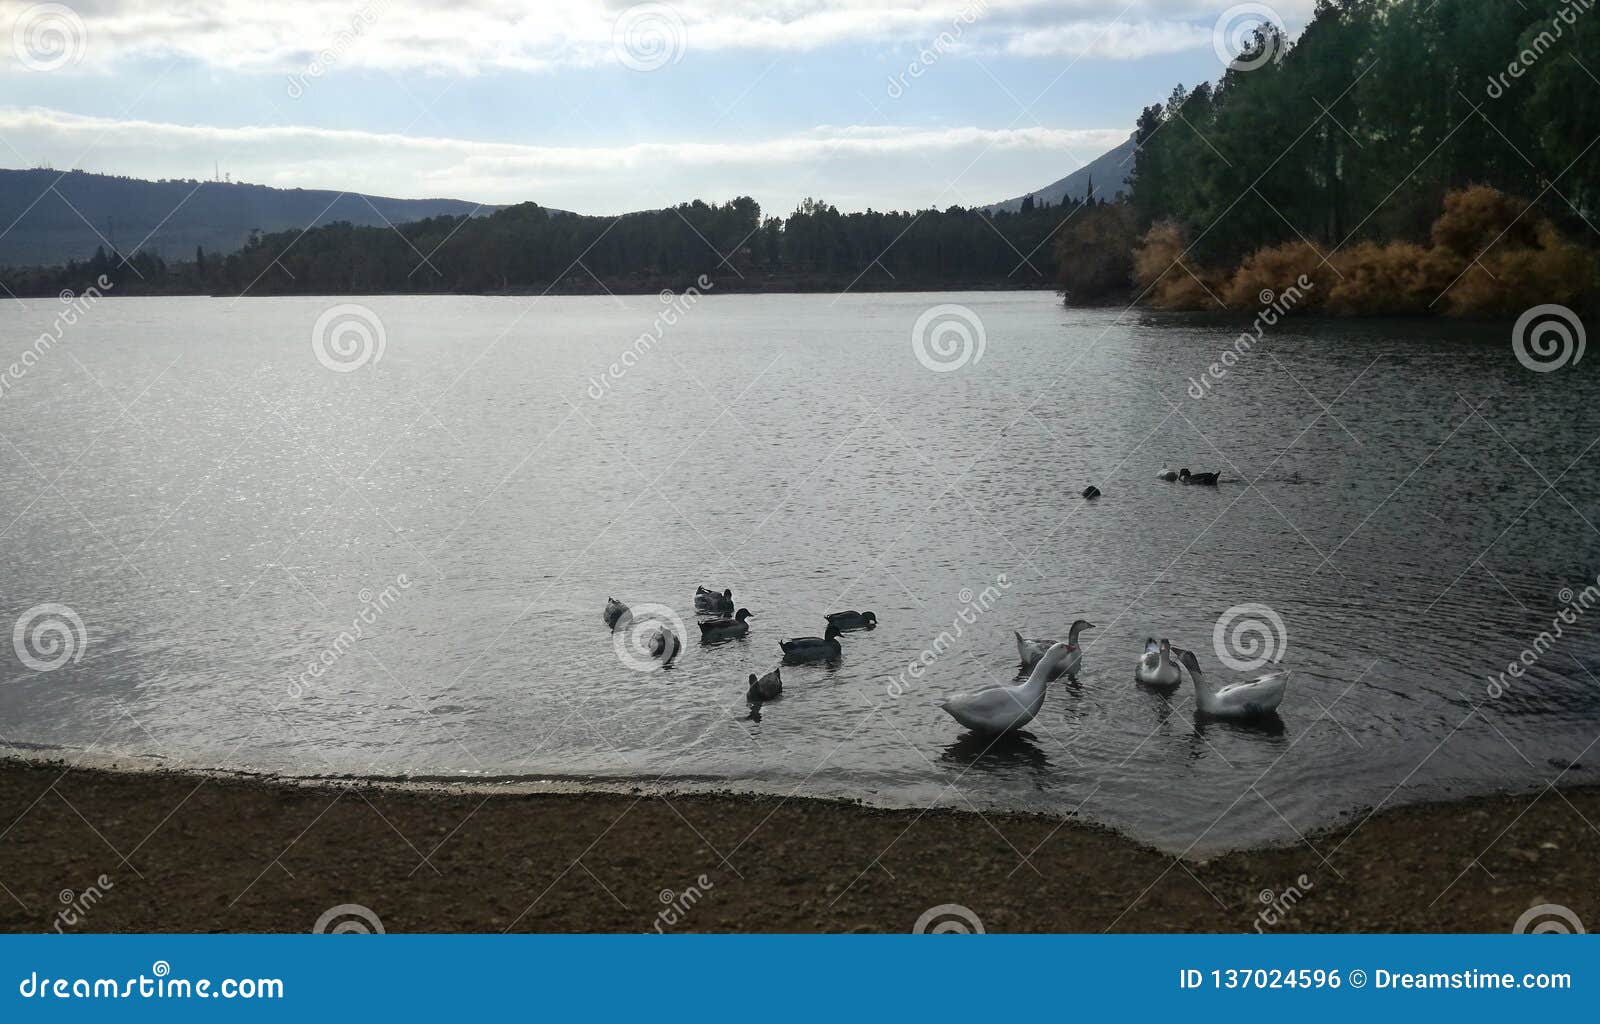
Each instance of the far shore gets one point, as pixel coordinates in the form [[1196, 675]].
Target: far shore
[[138, 850]]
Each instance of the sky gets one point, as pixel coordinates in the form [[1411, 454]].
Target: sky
[[605, 106]]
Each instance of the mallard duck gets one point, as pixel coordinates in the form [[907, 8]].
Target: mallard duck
[[812, 648], [615, 610], [767, 687], [853, 620], [1030, 651], [709, 602], [1002, 709], [1203, 479], [1156, 667], [1252, 699], [726, 629]]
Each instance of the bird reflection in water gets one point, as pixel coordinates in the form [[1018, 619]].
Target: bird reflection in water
[[1018, 749]]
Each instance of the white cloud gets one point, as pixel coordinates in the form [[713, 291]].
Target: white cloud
[[472, 36], [864, 165]]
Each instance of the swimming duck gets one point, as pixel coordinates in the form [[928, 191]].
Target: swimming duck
[[1168, 475], [1236, 700], [1091, 491], [812, 648], [1030, 651], [1002, 709], [662, 644], [614, 612], [1156, 667], [853, 620], [709, 602], [726, 629], [767, 687], [1203, 479]]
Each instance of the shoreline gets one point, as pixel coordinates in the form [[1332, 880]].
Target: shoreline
[[165, 850]]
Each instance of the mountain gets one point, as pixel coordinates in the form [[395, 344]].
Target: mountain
[[1110, 172], [54, 217]]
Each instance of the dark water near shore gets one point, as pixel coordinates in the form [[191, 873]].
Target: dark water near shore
[[216, 506]]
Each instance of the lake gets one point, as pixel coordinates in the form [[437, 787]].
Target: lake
[[215, 500]]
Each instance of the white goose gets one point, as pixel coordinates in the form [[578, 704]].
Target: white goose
[[1003, 709], [1156, 667], [1030, 651], [1236, 700]]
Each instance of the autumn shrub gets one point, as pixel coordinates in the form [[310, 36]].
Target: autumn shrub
[[1166, 277]]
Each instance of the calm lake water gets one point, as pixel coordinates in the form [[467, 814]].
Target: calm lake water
[[215, 505]]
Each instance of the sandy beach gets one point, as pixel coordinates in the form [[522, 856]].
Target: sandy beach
[[92, 849]]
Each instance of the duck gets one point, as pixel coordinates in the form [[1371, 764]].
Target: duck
[[1002, 709], [1091, 492], [1203, 479], [614, 613], [1156, 667], [764, 688], [1252, 699], [853, 620], [1168, 475], [662, 644], [726, 629], [709, 602], [1030, 651], [812, 648]]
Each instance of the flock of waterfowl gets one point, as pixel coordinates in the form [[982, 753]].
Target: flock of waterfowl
[[991, 710], [1182, 476]]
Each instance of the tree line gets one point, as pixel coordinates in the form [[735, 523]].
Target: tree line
[[1357, 135], [527, 248]]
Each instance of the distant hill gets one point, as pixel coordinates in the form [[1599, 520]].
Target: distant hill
[[1109, 171], [54, 217]]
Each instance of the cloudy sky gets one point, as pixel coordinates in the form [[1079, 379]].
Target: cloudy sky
[[603, 106]]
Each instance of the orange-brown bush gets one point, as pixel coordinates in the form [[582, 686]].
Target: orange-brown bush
[[1275, 270], [1168, 279], [1491, 255]]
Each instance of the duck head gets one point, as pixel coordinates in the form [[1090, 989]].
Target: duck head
[[1078, 627], [744, 613], [727, 595], [1183, 474], [832, 632], [870, 619], [1187, 659]]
